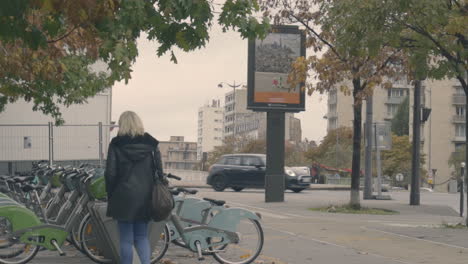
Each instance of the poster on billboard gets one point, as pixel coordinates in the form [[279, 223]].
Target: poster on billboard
[[270, 61]]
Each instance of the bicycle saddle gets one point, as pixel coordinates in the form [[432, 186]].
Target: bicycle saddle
[[10, 181], [20, 179], [174, 192], [187, 191], [29, 187], [216, 202]]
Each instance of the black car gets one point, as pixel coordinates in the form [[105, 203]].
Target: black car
[[239, 171]]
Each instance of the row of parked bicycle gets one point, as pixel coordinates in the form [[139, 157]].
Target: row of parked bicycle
[[58, 204]]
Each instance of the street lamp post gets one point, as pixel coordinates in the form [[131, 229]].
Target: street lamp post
[[233, 86]]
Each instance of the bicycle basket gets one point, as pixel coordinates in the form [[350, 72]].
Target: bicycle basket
[[97, 187]]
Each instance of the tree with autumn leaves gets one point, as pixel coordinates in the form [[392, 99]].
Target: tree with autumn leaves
[[61, 52], [360, 45], [343, 57]]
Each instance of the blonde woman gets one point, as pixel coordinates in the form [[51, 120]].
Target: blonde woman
[[132, 163]]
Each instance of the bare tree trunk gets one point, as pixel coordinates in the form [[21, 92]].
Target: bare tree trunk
[[356, 166]]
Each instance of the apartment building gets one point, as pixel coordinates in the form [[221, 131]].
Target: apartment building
[[210, 127], [178, 154], [443, 134], [235, 109]]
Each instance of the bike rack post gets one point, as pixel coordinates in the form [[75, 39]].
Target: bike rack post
[[51, 144]]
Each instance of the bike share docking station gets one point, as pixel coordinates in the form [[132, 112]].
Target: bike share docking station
[[108, 233]]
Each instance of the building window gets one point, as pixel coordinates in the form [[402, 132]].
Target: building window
[[392, 109], [397, 92], [460, 130], [460, 110], [459, 147], [459, 90], [332, 108]]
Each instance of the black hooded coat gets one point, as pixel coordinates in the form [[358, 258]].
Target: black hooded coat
[[131, 168]]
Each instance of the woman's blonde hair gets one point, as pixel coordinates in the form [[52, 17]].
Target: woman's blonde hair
[[130, 124]]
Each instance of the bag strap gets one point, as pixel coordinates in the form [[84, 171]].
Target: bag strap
[[156, 177]]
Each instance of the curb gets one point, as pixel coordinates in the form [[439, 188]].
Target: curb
[[312, 188]]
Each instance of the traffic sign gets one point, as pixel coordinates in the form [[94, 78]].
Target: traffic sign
[[382, 135], [399, 177]]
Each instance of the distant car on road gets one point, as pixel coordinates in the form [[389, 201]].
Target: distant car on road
[[239, 171]]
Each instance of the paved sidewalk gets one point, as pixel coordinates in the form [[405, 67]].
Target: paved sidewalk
[[296, 235]]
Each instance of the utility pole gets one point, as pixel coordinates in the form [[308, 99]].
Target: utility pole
[[415, 177], [368, 157], [466, 149]]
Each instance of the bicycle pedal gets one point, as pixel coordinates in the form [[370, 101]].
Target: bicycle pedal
[[54, 243], [199, 251]]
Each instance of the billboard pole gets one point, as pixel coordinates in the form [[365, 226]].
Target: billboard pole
[[415, 177], [368, 170], [274, 178], [269, 64]]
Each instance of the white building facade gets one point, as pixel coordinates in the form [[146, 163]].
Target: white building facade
[[210, 127], [25, 134]]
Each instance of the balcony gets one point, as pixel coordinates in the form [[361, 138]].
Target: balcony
[[458, 99], [459, 139], [332, 115], [395, 100], [458, 119]]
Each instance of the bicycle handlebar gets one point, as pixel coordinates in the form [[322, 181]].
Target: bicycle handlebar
[[173, 177], [187, 191]]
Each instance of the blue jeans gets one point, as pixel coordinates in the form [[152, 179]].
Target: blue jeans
[[134, 233]]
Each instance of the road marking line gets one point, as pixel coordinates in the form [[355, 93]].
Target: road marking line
[[414, 238], [263, 211], [333, 244], [295, 215]]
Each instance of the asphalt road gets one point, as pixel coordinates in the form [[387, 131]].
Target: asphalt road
[[296, 235]]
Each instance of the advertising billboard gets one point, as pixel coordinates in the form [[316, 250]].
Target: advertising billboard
[[270, 61]]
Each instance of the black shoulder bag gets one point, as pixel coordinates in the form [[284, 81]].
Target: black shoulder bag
[[162, 201]]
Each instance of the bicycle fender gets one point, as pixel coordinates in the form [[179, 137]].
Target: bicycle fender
[[19, 216], [194, 210], [229, 219]]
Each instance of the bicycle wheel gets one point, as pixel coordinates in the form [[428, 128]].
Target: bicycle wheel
[[5, 229], [89, 242], [8, 249], [159, 246], [75, 234], [247, 249], [18, 253]]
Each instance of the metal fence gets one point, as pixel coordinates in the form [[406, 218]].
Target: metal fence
[[70, 144]]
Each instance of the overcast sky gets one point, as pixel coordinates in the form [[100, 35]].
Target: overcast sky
[[167, 95]]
